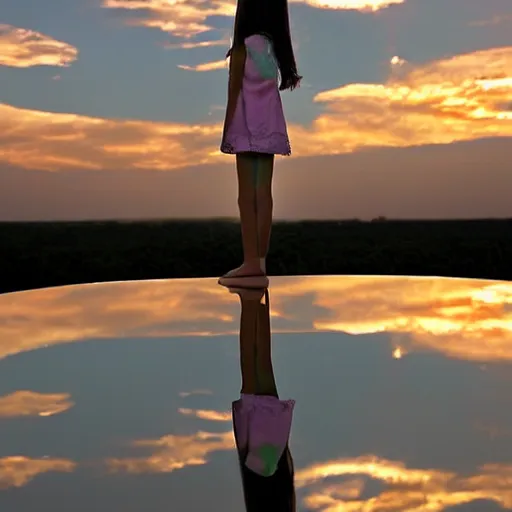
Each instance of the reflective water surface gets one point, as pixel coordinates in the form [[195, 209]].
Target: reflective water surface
[[118, 396]]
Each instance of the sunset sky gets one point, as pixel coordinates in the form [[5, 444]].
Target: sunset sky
[[114, 109]]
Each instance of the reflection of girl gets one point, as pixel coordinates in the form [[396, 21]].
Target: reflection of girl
[[262, 421], [255, 128]]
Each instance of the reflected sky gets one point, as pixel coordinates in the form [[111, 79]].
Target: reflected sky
[[461, 318], [117, 396]]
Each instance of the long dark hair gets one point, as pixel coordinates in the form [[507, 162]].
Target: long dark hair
[[269, 18], [276, 492]]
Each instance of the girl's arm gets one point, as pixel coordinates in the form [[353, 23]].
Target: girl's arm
[[236, 76]]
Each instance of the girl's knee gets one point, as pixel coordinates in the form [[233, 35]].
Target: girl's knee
[[264, 197]]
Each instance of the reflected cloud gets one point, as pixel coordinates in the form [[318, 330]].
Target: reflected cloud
[[30, 403], [205, 414], [412, 490], [23, 48], [19, 471], [460, 318], [173, 452], [41, 318]]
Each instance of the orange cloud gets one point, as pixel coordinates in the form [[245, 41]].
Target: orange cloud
[[207, 66], [29, 403], [187, 45], [204, 414], [438, 103], [460, 318], [54, 141], [411, 490], [352, 5], [171, 453], [464, 97], [188, 18], [22, 48], [19, 471], [182, 18]]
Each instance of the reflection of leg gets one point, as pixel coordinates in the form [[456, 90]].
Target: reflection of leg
[[264, 371], [248, 333]]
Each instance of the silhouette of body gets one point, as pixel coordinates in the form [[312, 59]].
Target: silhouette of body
[[261, 421]]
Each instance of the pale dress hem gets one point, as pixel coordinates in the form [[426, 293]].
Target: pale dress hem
[[273, 145]]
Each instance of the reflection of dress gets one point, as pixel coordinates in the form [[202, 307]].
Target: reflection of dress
[[258, 124], [262, 429]]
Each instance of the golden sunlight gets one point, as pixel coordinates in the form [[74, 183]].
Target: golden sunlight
[[398, 353]]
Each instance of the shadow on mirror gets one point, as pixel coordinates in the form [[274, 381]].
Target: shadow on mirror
[[261, 420]]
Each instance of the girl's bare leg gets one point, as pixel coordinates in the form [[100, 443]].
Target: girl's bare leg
[[264, 204], [248, 171]]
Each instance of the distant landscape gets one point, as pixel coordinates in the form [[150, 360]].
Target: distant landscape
[[36, 255]]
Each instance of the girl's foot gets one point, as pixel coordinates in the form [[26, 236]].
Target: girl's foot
[[248, 293], [246, 270], [245, 282]]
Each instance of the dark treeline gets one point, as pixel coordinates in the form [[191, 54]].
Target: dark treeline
[[35, 255]]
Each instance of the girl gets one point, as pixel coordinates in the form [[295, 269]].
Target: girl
[[255, 127], [261, 421]]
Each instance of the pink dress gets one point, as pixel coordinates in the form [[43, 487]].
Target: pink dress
[[258, 124], [262, 429]]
